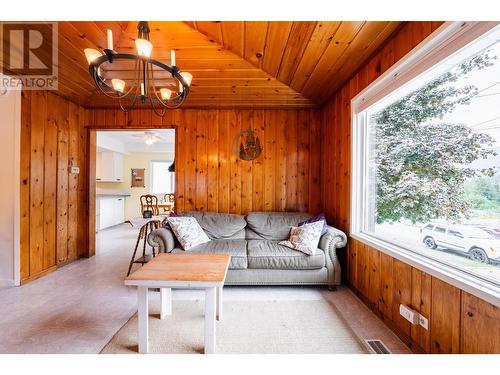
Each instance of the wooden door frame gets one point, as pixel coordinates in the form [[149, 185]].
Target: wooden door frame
[[91, 168]]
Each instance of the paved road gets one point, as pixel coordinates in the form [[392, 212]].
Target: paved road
[[409, 236]]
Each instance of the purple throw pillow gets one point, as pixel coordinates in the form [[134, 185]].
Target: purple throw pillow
[[314, 219], [165, 224]]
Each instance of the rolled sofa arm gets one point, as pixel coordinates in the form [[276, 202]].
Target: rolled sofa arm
[[338, 237], [329, 242], [162, 239]]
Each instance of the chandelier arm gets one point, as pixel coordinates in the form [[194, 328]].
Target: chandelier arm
[[136, 85], [132, 86], [99, 86], [181, 100], [173, 70], [151, 103], [159, 112], [163, 103], [154, 87], [99, 82], [126, 110]]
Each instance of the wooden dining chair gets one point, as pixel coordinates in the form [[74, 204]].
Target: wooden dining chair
[[168, 203], [150, 202], [169, 199]]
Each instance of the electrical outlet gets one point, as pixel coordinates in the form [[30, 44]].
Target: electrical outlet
[[74, 170], [423, 321], [409, 314]]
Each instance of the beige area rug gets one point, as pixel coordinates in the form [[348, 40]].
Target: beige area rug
[[256, 327]]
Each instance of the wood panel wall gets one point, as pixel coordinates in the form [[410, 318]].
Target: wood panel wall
[[285, 177], [53, 200], [459, 322]]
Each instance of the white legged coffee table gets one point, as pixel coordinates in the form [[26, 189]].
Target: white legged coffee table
[[184, 270]]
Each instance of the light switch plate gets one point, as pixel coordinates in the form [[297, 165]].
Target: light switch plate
[[74, 170]]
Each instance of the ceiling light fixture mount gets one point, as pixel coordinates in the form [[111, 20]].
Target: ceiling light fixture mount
[[143, 87]]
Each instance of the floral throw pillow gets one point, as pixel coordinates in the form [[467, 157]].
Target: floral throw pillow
[[305, 238], [319, 217], [188, 231], [165, 223]]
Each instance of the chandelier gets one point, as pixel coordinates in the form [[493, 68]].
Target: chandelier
[[143, 87]]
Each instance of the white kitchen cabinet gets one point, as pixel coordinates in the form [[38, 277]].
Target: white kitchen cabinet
[[111, 211], [106, 215], [119, 210], [98, 163], [117, 166], [109, 166]]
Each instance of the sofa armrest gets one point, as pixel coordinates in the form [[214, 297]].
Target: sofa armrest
[[329, 243], [162, 239], [334, 237]]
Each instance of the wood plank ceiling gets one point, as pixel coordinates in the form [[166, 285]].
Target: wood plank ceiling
[[234, 64]]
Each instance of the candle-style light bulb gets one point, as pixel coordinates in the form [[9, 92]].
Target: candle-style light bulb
[[110, 40], [172, 57], [142, 89]]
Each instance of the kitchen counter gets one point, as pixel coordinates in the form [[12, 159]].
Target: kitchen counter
[[112, 193]]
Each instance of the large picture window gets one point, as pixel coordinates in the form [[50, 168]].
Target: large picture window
[[426, 158]]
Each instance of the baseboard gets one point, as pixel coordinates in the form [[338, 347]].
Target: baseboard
[[38, 275]]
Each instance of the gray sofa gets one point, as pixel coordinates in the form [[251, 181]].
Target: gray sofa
[[256, 256]]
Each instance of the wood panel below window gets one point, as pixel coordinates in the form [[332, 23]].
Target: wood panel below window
[[458, 321]]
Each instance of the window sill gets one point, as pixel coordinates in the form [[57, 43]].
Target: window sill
[[470, 284]]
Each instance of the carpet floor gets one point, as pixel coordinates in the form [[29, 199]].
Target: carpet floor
[[247, 327]]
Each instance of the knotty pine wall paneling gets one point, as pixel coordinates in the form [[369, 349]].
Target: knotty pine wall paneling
[[285, 177], [53, 201], [458, 321]]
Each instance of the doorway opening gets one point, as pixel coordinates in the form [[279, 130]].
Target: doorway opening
[[129, 164]]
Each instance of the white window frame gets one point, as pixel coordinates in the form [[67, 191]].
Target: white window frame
[[443, 42], [151, 177]]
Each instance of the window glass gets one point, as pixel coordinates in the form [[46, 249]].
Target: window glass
[[433, 155], [162, 181], [451, 232]]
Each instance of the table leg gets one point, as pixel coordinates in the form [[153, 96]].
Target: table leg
[[143, 318], [145, 242], [165, 302], [210, 307], [219, 303], [135, 251]]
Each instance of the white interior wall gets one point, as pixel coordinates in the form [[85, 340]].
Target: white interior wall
[[10, 119]]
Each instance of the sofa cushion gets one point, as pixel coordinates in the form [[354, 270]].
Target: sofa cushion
[[220, 225], [271, 255], [188, 231], [273, 225], [314, 219], [305, 238], [236, 248]]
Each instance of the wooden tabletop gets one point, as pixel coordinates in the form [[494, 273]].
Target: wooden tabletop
[[182, 267]]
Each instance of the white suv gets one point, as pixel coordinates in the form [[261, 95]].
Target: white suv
[[478, 244]]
